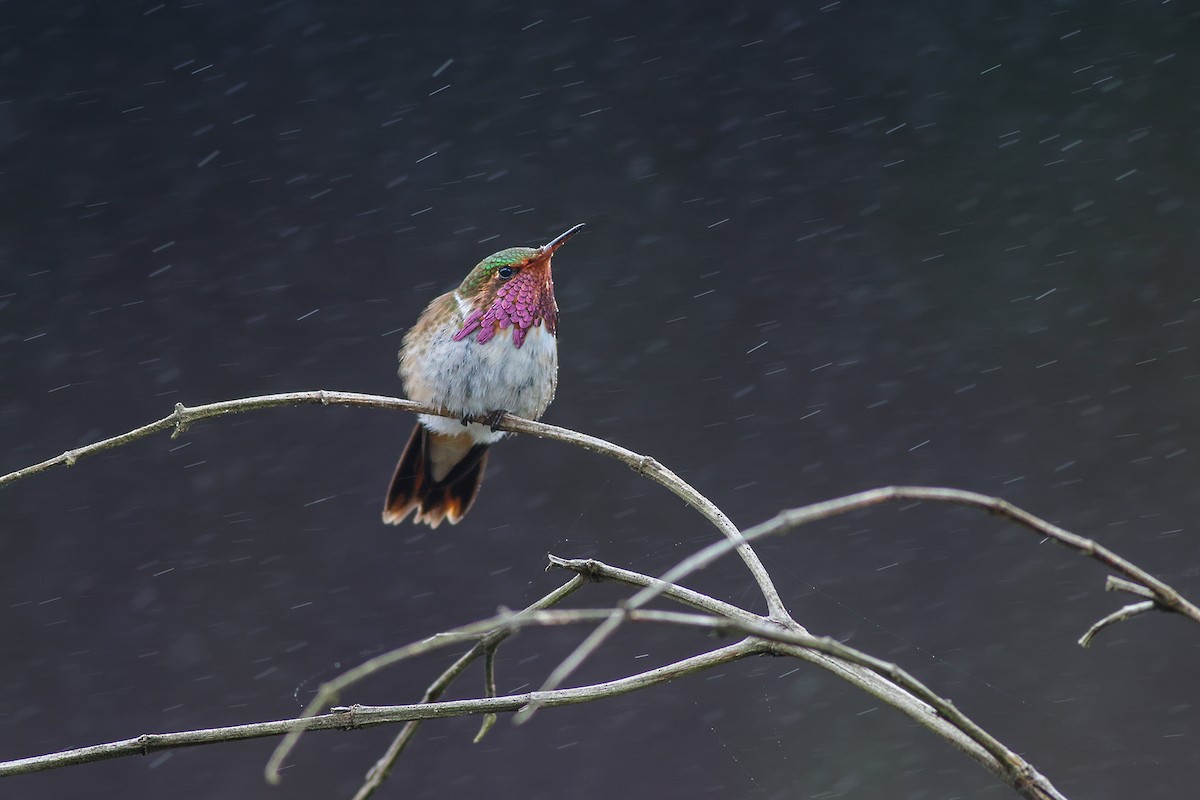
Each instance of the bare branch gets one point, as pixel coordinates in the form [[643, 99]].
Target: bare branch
[[1120, 615], [937, 713], [1114, 584], [785, 521], [916, 701], [182, 417], [598, 570], [328, 692], [485, 646], [489, 690], [776, 633], [357, 717], [900, 689], [380, 715], [152, 742]]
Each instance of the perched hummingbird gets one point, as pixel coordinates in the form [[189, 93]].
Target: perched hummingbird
[[486, 348]]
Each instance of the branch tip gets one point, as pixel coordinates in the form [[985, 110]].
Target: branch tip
[[1120, 615], [787, 635], [587, 568], [489, 720], [1114, 584]]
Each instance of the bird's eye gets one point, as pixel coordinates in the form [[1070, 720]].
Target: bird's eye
[[505, 273]]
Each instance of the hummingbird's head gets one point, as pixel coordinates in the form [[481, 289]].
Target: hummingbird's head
[[512, 288]]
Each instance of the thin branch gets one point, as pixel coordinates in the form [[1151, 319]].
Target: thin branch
[[152, 742], [1164, 595], [381, 715], [183, 416], [1025, 780], [328, 692], [357, 717], [1114, 584], [489, 690], [884, 680], [917, 700], [485, 646], [938, 712], [786, 521], [598, 570], [1120, 615], [903, 691]]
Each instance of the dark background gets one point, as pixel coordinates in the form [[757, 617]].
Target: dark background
[[831, 246]]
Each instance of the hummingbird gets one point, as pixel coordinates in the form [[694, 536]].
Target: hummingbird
[[487, 348]]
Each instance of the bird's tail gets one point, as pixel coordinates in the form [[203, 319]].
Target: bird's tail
[[438, 477]]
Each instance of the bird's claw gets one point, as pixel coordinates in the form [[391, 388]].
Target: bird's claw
[[493, 419]]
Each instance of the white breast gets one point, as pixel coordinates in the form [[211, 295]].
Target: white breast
[[471, 379]]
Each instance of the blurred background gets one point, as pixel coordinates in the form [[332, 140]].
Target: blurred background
[[830, 246]]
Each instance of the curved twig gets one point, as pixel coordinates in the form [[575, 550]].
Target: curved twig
[[1164, 595], [763, 635], [1120, 615], [183, 416], [918, 701], [329, 691], [777, 632], [356, 717], [1114, 584], [484, 647]]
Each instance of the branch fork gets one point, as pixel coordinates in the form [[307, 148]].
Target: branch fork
[[776, 632]]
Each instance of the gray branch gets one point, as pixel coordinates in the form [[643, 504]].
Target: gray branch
[[776, 632], [347, 718], [1120, 615], [183, 417]]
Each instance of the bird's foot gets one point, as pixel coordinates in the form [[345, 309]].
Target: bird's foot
[[493, 419]]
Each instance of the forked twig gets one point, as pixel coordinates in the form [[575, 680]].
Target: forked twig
[[358, 717], [881, 679], [1164, 595], [485, 647], [776, 632], [329, 691]]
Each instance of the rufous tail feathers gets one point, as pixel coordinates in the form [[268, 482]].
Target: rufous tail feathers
[[438, 477]]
